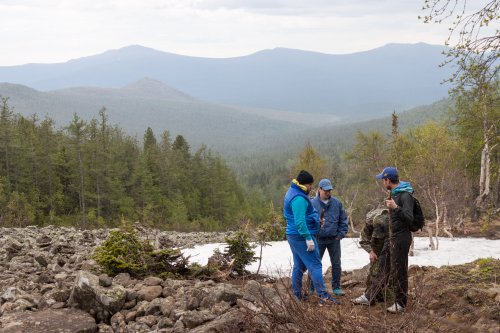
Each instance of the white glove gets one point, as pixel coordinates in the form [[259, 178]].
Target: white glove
[[310, 245]]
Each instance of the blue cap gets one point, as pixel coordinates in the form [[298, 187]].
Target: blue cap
[[325, 184], [389, 172]]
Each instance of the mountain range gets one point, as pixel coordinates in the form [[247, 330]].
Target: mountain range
[[355, 86]]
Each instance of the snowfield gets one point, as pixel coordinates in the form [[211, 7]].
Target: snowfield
[[277, 258]]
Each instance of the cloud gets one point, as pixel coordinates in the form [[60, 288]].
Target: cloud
[[312, 7], [57, 30]]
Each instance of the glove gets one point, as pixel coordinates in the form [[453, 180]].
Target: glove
[[310, 245]]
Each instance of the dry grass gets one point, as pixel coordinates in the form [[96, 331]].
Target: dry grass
[[285, 313], [450, 299]]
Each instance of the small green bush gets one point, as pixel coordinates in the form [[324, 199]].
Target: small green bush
[[168, 261], [240, 250], [124, 252], [204, 272]]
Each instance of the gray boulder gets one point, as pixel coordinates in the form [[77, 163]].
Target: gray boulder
[[90, 296], [229, 322], [149, 293], [10, 294], [48, 321]]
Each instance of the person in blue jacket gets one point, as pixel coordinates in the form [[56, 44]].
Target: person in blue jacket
[[334, 227], [302, 225]]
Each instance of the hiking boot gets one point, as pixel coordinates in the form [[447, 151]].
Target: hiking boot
[[395, 308], [328, 301], [338, 292], [361, 300]]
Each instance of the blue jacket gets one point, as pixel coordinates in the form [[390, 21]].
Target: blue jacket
[[305, 221], [336, 224]]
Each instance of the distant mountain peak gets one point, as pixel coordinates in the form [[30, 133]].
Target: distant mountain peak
[[135, 47], [279, 51], [146, 83], [155, 88], [137, 50]]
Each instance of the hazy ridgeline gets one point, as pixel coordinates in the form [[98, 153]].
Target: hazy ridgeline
[[362, 85], [235, 106]]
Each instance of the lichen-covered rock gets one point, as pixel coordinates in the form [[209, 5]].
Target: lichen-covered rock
[[90, 296]]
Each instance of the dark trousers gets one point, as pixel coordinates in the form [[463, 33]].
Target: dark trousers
[[334, 252], [382, 295], [393, 266]]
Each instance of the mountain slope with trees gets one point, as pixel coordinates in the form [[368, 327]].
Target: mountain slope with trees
[[150, 103], [92, 174]]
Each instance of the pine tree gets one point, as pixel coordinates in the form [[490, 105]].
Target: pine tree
[[49, 183], [77, 131], [6, 134]]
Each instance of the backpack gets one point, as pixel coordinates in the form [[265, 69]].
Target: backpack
[[418, 216]]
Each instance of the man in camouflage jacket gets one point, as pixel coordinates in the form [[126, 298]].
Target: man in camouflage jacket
[[393, 259], [372, 240]]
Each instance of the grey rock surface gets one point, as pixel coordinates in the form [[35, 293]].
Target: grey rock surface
[[49, 321]]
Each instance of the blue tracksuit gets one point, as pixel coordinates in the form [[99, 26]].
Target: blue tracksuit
[[302, 222]]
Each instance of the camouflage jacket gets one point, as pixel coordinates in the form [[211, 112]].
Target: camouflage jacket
[[375, 230]]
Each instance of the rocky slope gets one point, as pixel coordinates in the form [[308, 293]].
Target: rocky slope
[[49, 283]]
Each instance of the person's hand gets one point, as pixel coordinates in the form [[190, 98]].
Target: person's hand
[[391, 204], [321, 222], [310, 245], [373, 256]]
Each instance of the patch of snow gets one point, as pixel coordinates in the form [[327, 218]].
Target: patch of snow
[[277, 258]]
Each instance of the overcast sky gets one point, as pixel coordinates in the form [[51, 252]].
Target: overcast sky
[[35, 31]]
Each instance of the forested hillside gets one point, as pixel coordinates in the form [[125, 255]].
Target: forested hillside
[[149, 103], [438, 148], [268, 170], [92, 174]]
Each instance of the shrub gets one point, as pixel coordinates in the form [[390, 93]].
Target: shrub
[[240, 250], [124, 252]]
